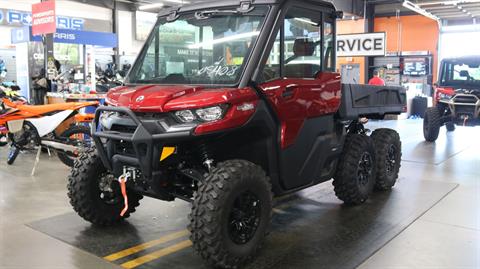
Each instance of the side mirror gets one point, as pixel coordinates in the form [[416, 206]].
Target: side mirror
[[339, 14]]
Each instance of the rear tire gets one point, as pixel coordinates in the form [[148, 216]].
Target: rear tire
[[450, 126], [388, 152], [89, 201], [231, 214], [69, 158], [431, 124], [355, 177]]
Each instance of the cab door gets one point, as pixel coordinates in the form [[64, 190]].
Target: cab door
[[303, 89]]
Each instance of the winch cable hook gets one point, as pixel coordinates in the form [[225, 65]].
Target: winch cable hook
[[123, 187]]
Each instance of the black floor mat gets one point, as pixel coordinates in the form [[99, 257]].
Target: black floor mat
[[311, 229]]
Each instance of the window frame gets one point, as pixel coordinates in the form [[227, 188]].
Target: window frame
[[324, 12], [333, 56]]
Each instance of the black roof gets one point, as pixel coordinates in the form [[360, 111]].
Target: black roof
[[467, 58], [225, 3]]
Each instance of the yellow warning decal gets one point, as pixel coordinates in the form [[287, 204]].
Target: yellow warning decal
[[166, 152]]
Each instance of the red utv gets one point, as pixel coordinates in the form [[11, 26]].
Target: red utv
[[457, 97], [229, 104]]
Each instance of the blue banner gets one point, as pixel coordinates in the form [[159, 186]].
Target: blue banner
[[101, 39]]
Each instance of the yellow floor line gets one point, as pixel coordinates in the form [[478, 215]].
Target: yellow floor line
[[138, 248], [168, 250], [157, 254]]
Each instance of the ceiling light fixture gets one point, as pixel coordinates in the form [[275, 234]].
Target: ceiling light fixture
[[150, 6], [419, 10]]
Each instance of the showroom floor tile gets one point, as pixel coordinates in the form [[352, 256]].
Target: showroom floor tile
[[428, 244]]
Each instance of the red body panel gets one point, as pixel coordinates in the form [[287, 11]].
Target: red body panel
[[298, 99], [447, 91], [162, 98], [165, 98]]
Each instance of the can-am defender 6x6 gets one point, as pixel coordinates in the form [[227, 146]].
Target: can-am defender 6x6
[[457, 97], [229, 104]]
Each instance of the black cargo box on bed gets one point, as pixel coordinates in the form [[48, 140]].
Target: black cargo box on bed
[[371, 101]]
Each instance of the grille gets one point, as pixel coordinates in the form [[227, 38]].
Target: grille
[[464, 110], [466, 99], [124, 128]]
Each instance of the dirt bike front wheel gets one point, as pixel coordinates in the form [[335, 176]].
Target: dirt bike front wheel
[[79, 136], [3, 140], [12, 155]]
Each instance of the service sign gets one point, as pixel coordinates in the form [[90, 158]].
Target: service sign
[[369, 44], [43, 18]]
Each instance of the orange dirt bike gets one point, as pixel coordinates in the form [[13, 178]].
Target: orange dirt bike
[[55, 126]]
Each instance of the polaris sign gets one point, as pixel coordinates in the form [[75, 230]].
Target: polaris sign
[[23, 18], [370, 44], [108, 40]]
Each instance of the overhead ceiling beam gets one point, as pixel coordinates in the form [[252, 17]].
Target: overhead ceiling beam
[[447, 2], [438, 7], [419, 10], [455, 16]]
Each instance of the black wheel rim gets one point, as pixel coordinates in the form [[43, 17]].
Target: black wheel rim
[[391, 160], [365, 168], [244, 218], [109, 192]]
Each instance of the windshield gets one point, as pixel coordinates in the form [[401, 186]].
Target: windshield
[[203, 48], [461, 73]]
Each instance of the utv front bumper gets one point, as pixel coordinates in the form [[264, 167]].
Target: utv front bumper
[[465, 108], [144, 136]]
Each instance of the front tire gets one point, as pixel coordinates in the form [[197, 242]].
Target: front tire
[[388, 152], [98, 205], [231, 214], [431, 124], [355, 177], [3, 140], [12, 155]]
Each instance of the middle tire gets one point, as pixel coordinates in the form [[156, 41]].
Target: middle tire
[[388, 148], [231, 214], [356, 171]]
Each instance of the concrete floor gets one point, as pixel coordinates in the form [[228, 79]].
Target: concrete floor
[[445, 236]]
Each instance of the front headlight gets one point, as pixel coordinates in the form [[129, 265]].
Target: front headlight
[[185, 116], [207, 114], [445, 96], [210, 113]]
